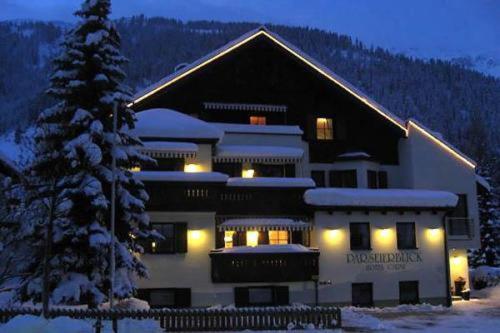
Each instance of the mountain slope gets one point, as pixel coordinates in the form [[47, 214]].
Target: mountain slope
[[463, 105]]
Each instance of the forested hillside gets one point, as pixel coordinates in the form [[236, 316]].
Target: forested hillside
[[461, 104]]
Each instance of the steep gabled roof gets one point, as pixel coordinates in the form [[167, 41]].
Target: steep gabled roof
[[321, 69], [251, 35]]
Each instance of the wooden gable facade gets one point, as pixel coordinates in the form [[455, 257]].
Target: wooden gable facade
[[261, 71]]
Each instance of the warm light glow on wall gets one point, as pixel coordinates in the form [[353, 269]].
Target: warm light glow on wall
[[333, 236], [135, 169], [192, 168], [456, 260], [196, 237], [252, 238], [434, 233], [385, 232], [444, 146], [249, 173]]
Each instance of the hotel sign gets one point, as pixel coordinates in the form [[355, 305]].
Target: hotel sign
[[384, 261]]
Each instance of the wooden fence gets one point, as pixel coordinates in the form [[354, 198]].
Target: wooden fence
[[202, 319]]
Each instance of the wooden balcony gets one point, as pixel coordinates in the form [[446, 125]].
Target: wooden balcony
[[264, 266], [460, 228]]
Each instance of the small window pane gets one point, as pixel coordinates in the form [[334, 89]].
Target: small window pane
[[166, 245], [162, 298], [324, 128], [408, 292], [362, 294], [406, 235], [372, 179], [257, 120], [277, 237], [360, 236], [382, 179], [344, 178], [260, 295], [461, 210]]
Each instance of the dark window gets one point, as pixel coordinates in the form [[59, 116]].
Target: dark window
[[166, 164], [166, 297], [382, 179], [372, 179], [319, 178], [230, 169], [408, 292], [175, 239], [273, 170], [257, 120], [261, 296], [362, 294], [406, 235], [461, 210], [360, 236], [343, 178]]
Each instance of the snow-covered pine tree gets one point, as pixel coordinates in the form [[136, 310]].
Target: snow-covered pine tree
[[489, 226], [72, 169]]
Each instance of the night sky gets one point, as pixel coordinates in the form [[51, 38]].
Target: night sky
[[429, 26]]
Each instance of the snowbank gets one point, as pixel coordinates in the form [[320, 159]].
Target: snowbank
[[34, 324], [166, 123], [270, 182], [485, 276], [350, 197]]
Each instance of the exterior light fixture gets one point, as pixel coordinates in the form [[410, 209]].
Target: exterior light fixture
[[192, 168], [249, 173]]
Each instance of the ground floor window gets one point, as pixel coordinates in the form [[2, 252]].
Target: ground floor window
[[166, 297], [261, 296], [408, 292], [362, 294], [229, 239], [278, 237]]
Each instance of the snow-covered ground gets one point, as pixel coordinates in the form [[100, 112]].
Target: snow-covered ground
[[481, 314]]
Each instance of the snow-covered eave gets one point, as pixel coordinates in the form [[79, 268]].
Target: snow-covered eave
[[483, 182], [448, 147], [263, 31], [180, 176]]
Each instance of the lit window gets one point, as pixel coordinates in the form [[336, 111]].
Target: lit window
[[135, 169], [252, 238], [249, 173], [324, 129], [228, 239], [255, 120], [277, 237], [192, 168]]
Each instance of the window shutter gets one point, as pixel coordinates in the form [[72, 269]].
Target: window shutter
[[311, 127], [335, 179], [281, 295], [297, 237], [372, 178], [263, 238], [219, 238], [183, 297], [382, 179], [180, 230], [240, 296]]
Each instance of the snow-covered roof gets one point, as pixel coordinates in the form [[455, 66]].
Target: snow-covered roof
[[483, 182], [166, 123], [259, 129], [263, 224], [354, 155], [169, 149], [229, 153], [271, 182], [262, 31], [284, 248], [180, 176], [441, 141], [358, 197]]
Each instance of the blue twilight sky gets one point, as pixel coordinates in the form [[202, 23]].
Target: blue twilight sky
[[430, 27]]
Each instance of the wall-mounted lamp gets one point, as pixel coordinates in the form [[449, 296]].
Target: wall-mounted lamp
[[192, 168]]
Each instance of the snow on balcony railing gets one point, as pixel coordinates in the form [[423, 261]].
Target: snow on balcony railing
[[262, 224], [271, 182], [259, 129], [169, 149], [344, 197]]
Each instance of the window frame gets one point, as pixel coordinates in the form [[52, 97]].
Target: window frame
[[351, 236], [258, 120], [371, 179], [325, 131], [362, 284], [399, 239], [279, 239], [413, 283], [179, 242], [180, 301], [280, 296], [343, 178], [319, 174]]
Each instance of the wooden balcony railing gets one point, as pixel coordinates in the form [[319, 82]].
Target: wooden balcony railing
[[264, 267]]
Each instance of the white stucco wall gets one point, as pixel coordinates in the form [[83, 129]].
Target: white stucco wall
[[332, 236]]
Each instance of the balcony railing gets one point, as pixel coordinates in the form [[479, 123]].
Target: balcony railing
[[460, 228], [259, 266]]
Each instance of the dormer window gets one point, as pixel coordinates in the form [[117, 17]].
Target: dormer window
[[324, 129], [257, 120]]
